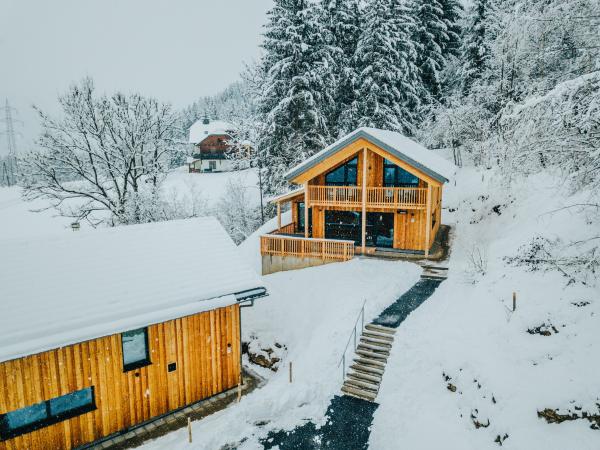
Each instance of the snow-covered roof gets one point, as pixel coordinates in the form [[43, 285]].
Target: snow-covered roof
[[393, 142], [287, 196], [71, 287], [201, 130]]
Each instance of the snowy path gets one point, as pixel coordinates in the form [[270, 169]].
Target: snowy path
[[349, 418]]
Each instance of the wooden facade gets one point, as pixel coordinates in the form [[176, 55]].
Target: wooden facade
[[415, 211], [191, 358]]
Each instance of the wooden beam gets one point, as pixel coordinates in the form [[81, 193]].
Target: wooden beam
[[278, 215], [364, 201], [428, 221], [306, 210]]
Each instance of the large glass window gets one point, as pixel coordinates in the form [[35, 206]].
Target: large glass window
[[135, 349], [301, 221], [46, 413], [344, 175], [395, 176]]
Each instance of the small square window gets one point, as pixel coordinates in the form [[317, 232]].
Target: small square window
[[135, 349]]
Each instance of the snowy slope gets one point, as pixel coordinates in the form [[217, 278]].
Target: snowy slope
[[311, 312], [466, 336], [18, 219]]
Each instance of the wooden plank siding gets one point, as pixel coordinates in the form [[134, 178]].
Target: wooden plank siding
[[205, 346]]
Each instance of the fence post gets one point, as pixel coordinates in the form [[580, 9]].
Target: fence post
[[290, 371], [514, 301], [189, 427]]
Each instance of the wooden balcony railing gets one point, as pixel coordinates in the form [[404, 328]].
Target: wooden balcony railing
[[335, 195], [327, 249], [382, 197], [377, 197], [290, 228]]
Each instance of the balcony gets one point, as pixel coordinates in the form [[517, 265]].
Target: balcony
[[377, 197]]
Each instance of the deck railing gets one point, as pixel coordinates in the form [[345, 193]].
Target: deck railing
[[326, 249], [335, 195], [377, 197], [290, 228], [396, 197]]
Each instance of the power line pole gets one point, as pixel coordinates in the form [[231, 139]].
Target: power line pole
[[9, 166]]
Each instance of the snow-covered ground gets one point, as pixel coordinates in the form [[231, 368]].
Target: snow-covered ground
[[311, 312], [19, 219], [467, 337]]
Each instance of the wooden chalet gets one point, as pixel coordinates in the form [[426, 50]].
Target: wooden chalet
[[211, 144], [108, 329], [372, 189]]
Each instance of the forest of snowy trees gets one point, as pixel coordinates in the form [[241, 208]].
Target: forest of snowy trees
[[453, 78]]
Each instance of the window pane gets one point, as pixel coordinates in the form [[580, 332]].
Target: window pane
[[351, 179], [70, 402], [134, 346], [389, 176], [26, 416], [335, 176], [406, 178]]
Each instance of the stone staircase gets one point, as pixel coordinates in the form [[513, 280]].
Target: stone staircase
[[367, 368], [431, 272]]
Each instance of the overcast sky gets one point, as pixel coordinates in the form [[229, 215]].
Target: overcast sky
[[176, 50]]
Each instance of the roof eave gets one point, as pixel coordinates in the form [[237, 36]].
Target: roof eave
[[298, 170]]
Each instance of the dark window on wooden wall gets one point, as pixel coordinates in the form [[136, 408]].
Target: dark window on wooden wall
[[135, 349], [344, 175], [395, 176], [30, 418]]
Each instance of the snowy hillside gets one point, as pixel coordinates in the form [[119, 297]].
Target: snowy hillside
[[475, 372], [19, 218]]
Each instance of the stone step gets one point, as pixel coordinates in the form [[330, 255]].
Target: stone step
[[370, 370], [359, 393], [380, 336], [374, 348], [369, 354], [378, 342], [370, 362], [380, 328], [368, 386], [355, 375]]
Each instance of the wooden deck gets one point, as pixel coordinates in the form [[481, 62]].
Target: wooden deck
[[376, 197], [326, 249]]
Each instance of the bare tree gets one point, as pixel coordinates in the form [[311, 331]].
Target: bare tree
[[107, 154]]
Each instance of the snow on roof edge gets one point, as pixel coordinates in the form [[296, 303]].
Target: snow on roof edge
[[410, 151]]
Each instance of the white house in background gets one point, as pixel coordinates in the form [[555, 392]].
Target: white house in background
[[211, 144]]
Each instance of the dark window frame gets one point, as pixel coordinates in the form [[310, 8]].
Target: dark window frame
[[350, 163], [7, 433], [302, 223], [387, 164], [142, 362]]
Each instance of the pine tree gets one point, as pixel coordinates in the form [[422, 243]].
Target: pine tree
[[431, 38], [476, 45], [452, 16], [385, 57], [296, 89], [342, 20]]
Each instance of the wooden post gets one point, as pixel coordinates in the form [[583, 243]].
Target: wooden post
[[514, 301], [428, 221], [189, 430], [239, 389], [364, 202], [278, 215], [306, 210], [290, 371]]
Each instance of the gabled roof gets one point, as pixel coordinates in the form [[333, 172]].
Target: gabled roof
[[76, 286], [200, 130], [394, 143]]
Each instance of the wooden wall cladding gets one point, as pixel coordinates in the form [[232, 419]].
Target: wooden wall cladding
[[205, 346]]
